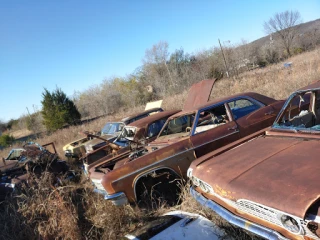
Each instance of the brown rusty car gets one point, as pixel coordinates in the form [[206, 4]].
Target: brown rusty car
[[268, 183], [133, 136], [31, 158], [201, 127], [80, 147]]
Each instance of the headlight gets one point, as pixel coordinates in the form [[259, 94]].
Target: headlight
[[290, 223], [199, 183]]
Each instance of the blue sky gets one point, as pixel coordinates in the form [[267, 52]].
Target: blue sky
[[74, 44]]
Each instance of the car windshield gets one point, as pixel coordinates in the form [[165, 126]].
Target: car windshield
[[14, 154], [301, 113], [111, 128], [178, 127]]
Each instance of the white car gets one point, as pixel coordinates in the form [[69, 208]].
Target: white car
[[178, 225]]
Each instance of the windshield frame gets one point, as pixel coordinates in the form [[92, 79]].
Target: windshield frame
[[194, 113], [276, 124]]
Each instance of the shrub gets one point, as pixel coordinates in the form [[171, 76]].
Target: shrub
[[58, 110], [6, 140]]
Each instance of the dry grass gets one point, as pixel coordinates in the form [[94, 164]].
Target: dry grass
[[20, 133], [73, 211], [274, 81]]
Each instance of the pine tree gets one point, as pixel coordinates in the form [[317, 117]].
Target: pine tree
[[58, 110]]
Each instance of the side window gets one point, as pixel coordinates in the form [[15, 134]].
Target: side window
[[211, 118], [242, 107], [155, 128]]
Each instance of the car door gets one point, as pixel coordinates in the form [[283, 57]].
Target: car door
[[250, 115], [213, 128]]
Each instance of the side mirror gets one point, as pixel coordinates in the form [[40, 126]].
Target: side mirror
[[4, 161]]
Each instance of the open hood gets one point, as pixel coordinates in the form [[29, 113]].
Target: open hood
[[199, 93]]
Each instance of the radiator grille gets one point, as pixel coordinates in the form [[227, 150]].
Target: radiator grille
[[270, 215], [260, 211]]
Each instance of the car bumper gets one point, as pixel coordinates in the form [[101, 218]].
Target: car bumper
[[117, 199], [234, 219]]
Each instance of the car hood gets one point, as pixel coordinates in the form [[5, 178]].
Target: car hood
[[282, 173], [97, 140], [194, 98]]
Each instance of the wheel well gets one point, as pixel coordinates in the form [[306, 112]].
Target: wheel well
[[152, 178]]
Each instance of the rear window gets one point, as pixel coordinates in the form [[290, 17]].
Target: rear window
[[242, 107]]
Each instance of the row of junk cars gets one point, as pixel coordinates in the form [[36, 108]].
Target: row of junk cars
[[250, 158]]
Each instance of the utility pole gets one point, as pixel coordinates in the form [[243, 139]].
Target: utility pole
[[224, 59]]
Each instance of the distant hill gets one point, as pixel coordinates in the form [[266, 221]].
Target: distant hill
[[303, 28]]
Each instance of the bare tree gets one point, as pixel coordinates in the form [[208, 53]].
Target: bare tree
[[155, 63], [283, 25]]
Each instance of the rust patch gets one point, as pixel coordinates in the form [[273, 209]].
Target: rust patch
[[224, 193]]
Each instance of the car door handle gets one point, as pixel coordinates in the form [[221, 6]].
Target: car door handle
[[232, 128], [269, 113]]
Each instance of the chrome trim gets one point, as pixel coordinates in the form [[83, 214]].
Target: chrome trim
[[227, 135], [115, 196], [236, 220], [190, 149], [155, 163], [117, 199]]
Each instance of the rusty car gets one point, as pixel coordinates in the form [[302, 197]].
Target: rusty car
[[133, 137], [30, 158], [268, 182], [202, 126], [78, 148]]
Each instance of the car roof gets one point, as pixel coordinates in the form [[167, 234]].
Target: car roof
[[127, 119], [310, 86], [259, 97], [154, 117]]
